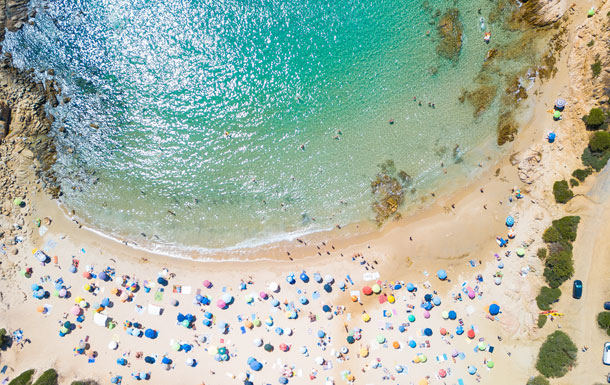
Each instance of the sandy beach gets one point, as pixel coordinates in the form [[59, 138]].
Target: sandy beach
[[369, 308]]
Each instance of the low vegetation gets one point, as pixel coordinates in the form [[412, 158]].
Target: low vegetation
[[5, 339], [603, 320], [541, 253], [597, 153], [574, 182], [596, 67], [541, 320], [562, 191], [595, 120], [558, 265], [547, 297], [582, 173], [557, 355], [538, 380], [24, 378], [49, 377]]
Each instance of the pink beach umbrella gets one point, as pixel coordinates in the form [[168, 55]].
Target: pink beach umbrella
[[426, 314], [207, 284], [221, 304], [76, 310], [471, 294], [442, 373], [263, 295]]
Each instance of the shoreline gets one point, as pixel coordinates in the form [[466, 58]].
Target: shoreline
[[442, 238]]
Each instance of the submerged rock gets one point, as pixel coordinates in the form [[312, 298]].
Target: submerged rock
[[450, 30], [388, 191], [543, 12]]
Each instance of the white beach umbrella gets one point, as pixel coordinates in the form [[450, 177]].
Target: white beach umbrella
[[258, 342], [113, 345], [319, 360], [329, 279], [274, 287]]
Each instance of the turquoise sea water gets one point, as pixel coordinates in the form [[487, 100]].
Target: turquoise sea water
[[165, 81]]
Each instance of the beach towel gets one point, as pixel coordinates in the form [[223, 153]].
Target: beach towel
[[186, 290]]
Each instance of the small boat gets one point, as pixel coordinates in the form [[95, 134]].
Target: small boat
[[487, 37], [482, 22]]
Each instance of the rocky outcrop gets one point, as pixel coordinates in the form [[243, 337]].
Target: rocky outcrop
[[543, 12], [450, 31], [13, 14]]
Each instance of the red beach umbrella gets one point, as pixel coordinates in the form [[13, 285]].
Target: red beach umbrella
[[367, 290], [470, 334]]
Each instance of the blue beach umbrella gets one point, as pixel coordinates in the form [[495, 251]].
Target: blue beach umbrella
[[150, 333], [441, 274], [321, 333], [166, 361], [328, 288], [149, 360], [326, 308], [121, 361], [317, 277], [494, 309], [401, 328], [428, 332], [208, 315], [412, 344], [427, 306], [510, 221], [279, 331], [275, 302], [436, 301], [459, 330], [472, 370], [290, 279], [410, 286], [452, 315], [303, 300], [283, 380], [304, 277]]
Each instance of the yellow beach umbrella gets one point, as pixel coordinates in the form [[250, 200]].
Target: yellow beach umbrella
[[391, 298], [364, 352], [366, 317], [376, 289]]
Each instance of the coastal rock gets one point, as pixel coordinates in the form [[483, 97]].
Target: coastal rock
[[543, 12], [450, 31]]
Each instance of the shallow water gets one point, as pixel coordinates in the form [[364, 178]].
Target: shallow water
[[203, 108]]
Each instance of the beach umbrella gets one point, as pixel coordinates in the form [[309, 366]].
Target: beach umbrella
[[494, 309], [258, 342], [303, 300], [452, 315], [445, 314], [62, 293], [283, 380], [105, 302], [263, 295], [174, 302], [176, 346], [199, 298], [269, 321], [443, 331], [102, 276], [86, 275], [436, 300], [410, 286], [191, 362], [442, 373], [395, 344], [268, 347], [274, 287], [275, 302], [510, 221], [162, 281], [364, 352], [454, 353], [380, 339], [391, 298], [249, 299], [498, 280], [284, 347], [221, 304], [328, 288], [560, 103], [317, 277], [366, 317], [344, 350], [186, 347], [113, 345], [40, 309], [180, 317], [472, 370], [471, 294], [208, 315], [382, 298], [490, 364], [144, 375], [256, 322], [399, 368], [459, 330], [72, 269], [326, 308], [423, 381], [350, 339], [149, 360], [206, 322], [114, 380], [426, 314], [376, 288], [329, 279], [207, 284], [321, 333], [304, 277], [76, 310], [290, 279], [84, 304], [482, 345], [227, 298], [367, 290], [411, 318], [401, 328], [150, 333], [279, 331], [470, 333], [412, 344], [428, 305], [428, 332], [166, 361], [121, 361], [520, 252], [288, 331], [303, 349], [441, 274], [557, 114], [319, 360]]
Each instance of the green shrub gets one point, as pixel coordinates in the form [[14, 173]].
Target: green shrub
[[590, 44], [595, 119], [574, 182], [596, 161], [559, 267], [24, 378], [557, 354], [538, 380], [562, 191], [599, 141], [603, 319], [49, 377], [567, 227], [87, 382], [582, 173], [541, 253], [596, 68], [547, 297], [551, 235], [5, 339], [541, 320]]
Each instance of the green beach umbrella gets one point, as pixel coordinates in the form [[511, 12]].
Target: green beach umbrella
[[176, 346], [55, 293], [411, 318], [17, 201], [490, 364], [520, 252], [186, 323], [380, 338], [482, 345], [376, 289], [257, 322], [591, 12], [423, 358], [63, 329], [557, 114]]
